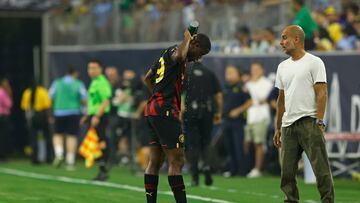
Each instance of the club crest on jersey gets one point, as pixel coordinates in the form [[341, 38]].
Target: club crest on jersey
[[181, 138]]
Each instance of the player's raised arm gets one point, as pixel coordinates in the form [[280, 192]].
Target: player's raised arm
[[180, 54]]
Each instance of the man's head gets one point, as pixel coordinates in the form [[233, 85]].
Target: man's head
[[94, 68], [331, 14], [232, 74], [200, 45], [73, 72], [128, 76], [298, 4], [257, 70], [351, 12], [112, 74], [292, 39], [269, 34]]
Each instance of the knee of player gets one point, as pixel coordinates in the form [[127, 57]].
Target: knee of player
[[177, 162]]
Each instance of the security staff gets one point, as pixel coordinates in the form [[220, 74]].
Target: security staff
[[203, 107], [236, 102]]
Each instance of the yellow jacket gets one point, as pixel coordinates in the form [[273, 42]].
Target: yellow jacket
[[42, 100]]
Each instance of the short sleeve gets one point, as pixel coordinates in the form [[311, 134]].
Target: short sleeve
[[318, 72], [216, 83], [46, 101], [83, 91], [246, 96], [107, 91], [154, 67], [278, 82], [165, 58], [52, 89]]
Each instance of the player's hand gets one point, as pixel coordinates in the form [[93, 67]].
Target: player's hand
[[235, 113], [276, 138], [187, 35], [95, 120], [217, 118], [83, 120]]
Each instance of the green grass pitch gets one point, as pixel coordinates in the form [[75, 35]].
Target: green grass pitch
[[22, 182]]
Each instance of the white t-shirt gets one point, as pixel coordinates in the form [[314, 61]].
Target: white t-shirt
[[297, 79], [259, 91]]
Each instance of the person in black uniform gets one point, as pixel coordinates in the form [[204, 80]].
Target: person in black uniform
[[113, 76], [236, 102], [164, 80], [203, 107]]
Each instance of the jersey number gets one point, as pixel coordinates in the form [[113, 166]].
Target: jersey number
[[160, 71]]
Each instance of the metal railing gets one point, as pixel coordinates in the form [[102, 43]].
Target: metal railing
[[219, 21]]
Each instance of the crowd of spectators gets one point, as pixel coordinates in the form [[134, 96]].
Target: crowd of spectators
[[329, 25]]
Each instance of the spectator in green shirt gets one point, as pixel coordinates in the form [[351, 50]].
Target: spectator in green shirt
[[306, 22], [99, 94]]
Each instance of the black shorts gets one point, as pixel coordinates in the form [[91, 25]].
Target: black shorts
[[101, 127], [164, 132], [68, 125]]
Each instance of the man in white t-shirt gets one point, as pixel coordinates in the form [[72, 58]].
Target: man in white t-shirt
[[258, 116], [301, 80]]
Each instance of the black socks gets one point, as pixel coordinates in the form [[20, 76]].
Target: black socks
[[177, 186], [151, 184]]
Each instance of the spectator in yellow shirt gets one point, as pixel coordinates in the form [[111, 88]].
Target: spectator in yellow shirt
[[37, 104], [334, 28]]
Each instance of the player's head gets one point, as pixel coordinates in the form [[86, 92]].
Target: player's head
[[292, 39], [94, 68], [200, 45]]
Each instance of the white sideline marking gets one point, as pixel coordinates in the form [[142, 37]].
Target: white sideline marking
[[98, 183], [310, 201]]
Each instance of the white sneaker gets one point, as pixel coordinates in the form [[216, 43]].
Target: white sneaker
[[254, 173], [227, 174], [58, 161]]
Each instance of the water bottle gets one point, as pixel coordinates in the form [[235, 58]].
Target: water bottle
[[193, 27]]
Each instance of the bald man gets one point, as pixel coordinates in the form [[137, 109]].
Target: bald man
[[301, 80]]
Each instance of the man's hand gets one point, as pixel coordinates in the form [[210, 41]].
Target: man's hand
[[322, 128], [95, 120], [83, 120], [51, 120], [276, 138], [235, 113], [187, 35], [217, 118]]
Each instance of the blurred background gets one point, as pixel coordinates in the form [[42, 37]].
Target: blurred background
[[41, 39]]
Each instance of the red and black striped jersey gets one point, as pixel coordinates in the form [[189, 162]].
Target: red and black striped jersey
[[166, 96]]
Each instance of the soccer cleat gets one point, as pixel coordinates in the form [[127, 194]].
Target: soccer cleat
[[208, 178], [194, 183], [254, 173], [102, 176]]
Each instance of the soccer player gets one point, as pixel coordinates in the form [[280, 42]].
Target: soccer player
[[68, 94], [164, 80]]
